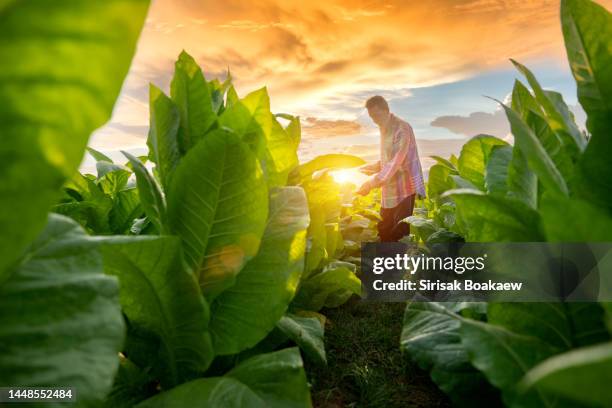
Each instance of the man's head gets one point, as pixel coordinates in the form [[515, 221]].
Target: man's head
[[378, 109]]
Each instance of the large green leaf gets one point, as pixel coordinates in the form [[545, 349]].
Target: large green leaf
[[163, 304], [496, 174], [61, 323], [64, 63], [559, 119], [474, 157], [151, 197], [537, 157], [191, 95], [583, 375], [163, 139], [330, 162], [218, 205], [504, 357], [245, 313], [272, 380], [252, 120], [307, 333], [126, 208], [330, 288], [487, 218], [587, 29], [431, 338], [439, 180], [522, 182], [574, 220]]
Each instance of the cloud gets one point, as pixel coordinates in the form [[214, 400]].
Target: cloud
[[495, 123], [313, 127], [475, 123]]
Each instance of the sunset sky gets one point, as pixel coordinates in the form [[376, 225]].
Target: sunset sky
[[433, 60]]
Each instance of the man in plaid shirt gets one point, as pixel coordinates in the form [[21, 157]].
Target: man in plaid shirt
[[398, 172]]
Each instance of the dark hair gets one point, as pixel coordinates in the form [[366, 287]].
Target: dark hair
[[377, 101]]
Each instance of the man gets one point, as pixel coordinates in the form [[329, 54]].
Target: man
[[398, 172]]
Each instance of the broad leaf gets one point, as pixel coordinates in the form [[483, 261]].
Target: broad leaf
[[474, 157], [272, 380], [218, 205], [245, 313], [151, 197], [486, 218], [99, 156], [307, 333], [537, 157], [496, 174], [431, 338], [162, 303], [252, 120], [60, 321], [587, 29], [163, 139], [330, 288], [64, 64], [582, 376], [191, 95], [439, 180], [574, 220], [329, 162]]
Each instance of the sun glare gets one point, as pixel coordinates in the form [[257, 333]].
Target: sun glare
[[345, 176]]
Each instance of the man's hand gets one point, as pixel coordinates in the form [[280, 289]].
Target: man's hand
[[365, 188], [370, 169]]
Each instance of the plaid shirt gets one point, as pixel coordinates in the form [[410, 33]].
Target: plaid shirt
[[401, 175]]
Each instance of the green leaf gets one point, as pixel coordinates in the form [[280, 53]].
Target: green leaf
[[272, 380], [99, 156], [431, 338], [537, 158], [439, 181], [131, 386], [60, 321], [574, 220], [496, 174], [423, 227], [504, 357], [163, 303], [446, 163], [523, 101], [582, 375], [126, 208], [218, 205], [163, 139], [474, 157], [558, 121], [245, 313], [487, 218], [151, 197], [112, 178], [329, 288], [522, 182], [251, 119], [67, 65], [191, 95], [330, 162], [587, 29], [307, 333]]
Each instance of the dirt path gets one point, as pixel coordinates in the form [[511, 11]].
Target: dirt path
[[365, 365]]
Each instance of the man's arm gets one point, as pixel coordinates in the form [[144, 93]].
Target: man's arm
[[394, 164], [370, 169]]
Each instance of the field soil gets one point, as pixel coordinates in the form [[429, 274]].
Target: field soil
[[365, 365]]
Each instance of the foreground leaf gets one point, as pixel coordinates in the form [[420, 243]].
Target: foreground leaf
[[475, 156], [307, 333], [218, 205], [587, 29], [67, 64], [163, 304], [61, 323], [245, 313], [272, 380], [582, 375]]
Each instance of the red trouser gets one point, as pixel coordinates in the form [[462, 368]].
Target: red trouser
[[390, 229]]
